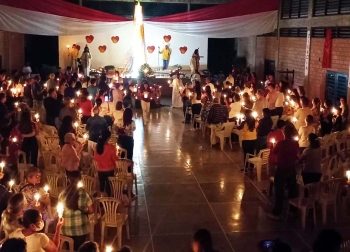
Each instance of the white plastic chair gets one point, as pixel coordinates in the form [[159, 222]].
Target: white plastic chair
[[21, 165], [225, 133], [341, 140], [64, 240], [89, 184], [239, 134], [259, 160], [54, 180], [274, 121], [329, 195], [332, 168], [307, 200], [122, 172], [111, 218], [122, 153]]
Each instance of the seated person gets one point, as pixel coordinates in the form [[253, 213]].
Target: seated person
[[11, 218]]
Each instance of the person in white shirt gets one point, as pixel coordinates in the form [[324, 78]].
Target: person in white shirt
[[234, 108], [26, 70], [302, 113], [178, 87], [304, 132], [247, 89], [118, 115], [37, 242], [260, 103], [230, 79], [271, 97], [279, 103], [211, 85]]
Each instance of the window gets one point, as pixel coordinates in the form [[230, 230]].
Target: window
[[294, 9], [331, 7], [337, 32], [336, 86], [271, 34], [293, 32]]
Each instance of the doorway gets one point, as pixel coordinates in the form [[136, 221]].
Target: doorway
[[221, 55]]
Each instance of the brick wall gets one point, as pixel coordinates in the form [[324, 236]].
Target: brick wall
[[247, 47], [271, 45], [12, 50]]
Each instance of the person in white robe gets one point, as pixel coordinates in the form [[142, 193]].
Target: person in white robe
[[177, 86], [86, 61]]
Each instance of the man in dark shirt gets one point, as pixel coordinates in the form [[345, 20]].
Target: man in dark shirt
[[70, 91], [28, 96], [38, 91], [263, 129], [215, 118], [52, 107], [5, 119], [287, 154], [95, 126]]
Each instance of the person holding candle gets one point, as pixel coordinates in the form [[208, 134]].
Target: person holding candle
[[304, 133], [35, 196], [65, 128], [196, 102], [344, 109], [186, 102], [285, 175], [126, 139], [127, 97], [37, 242], [312, 157], [246, 101], [67, 110], [178, 87], [105, 156], [271, 97], [260, 103], [27, 92], [71, 153], [5, 119], [86, 106], [52, 107], [118, 115], [11, 217], [51, 82], [302, 113], [316, 108], [146, 93], [338, 121], [29, 129], [234, 108], [263, 129], [38, 91], [69, 92], [326, 117], [78, 205], [92, 90]]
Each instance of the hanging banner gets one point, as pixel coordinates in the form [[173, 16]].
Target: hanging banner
[[307, 53]]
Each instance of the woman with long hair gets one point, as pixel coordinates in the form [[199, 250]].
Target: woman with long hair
[[194, 63], [101, 95], [78, 204], [11, 218], [66, 127], [146, 94], [71, 153], [86, 106], [249, 136], [118, 114], [29, 129], [105, 156], [126, 139], [196, 102], [202, 241]]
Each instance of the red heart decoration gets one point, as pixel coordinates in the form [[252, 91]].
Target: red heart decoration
[[78, 47], [115, 39], [183, 49], [150, 49], [102, 49], [89, 39], [167, 38]]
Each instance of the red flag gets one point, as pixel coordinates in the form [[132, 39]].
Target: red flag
[[327, 50]]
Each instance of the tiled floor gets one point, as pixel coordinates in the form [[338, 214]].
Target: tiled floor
[[184, 185]]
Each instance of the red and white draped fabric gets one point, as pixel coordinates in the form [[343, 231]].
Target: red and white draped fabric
[[240, 18], [55, 18]]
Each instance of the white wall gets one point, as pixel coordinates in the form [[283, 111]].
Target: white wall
[[116, 54]]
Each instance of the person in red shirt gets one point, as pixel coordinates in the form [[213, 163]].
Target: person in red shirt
[[86, 106], [273, 138], [105, 156], [287, 154]]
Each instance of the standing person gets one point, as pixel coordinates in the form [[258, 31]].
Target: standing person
[[95, 126], [118, 114], [285, 174], [312, 157], [86, 106], [71, 153], [304, 133], [126, 139], [51, 83], [279, 103], [146, 94], [186, 102], [206, 101], [92, 90], [67, 110], [344, 109], [52, 107], [316, 108], [65, 128], [5, 120], [271, 97], [196, 103], [177, 86], [29, 130], [78, 205], [194, 63], [263, 129], [86, 61], [28, 96], [105, 157], [117, 94], [302, 113], [26, 70], [70, 91], [260, 103], [249, 137], [166, 56], [127, 97], [273, 138], [234, 108], [230, 79], [38, 92], [211, 85]]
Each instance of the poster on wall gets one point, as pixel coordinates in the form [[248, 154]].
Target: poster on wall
[[307, 53]]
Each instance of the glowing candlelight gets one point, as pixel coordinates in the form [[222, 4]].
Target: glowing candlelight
[[296, 138], [225, 95], [68, 46], [2, 165], [109, 249], [16, 104], [294, 119], [76, 124], [36, 116], [204, 88], [273, 141], [255, 114], [11, 183], [135, 89], [240, 93], [78, 93], [242, 103], [169, 81], [288, 97], [145, 95], [124, 92], [37, 197], [10, 81], [45, 85], [80, 111], [286, 103], [14, 139], [72, 101], [180, 88], [289, 91], [57, 87], [90, 97], [86, 136], [334, 110], [60, 209], [110, 85], [253, 98], [46, 188], [348, 175], [190, 94], [230, 87], [292, 102], [80, 184]]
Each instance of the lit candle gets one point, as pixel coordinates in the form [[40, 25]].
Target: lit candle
[[80, 111], [255, 114], [45, 85], [78, 93], [86, 136], [76, 124], [348, 175], [294, 119], [273, 141], [14, 139], [169, 81], [334, 110], [109, 249], [72, 101], [292, 102], [46, 188], [230, 87], [16, 104], [224, 95], [124, 92], [190, 94], [240, 93], [289, 91], [37, 197], [110, 85], [80, 184], [296, 138], [2, 165], [286, 103], [135, 89], [90, 97], [242, 103], [145, 95], [10, 81], [288, 97], [11, 183], [36, 117], [68, 46], [204, 88], [253, 98], [180, 88], [60, 209], [57, 87]]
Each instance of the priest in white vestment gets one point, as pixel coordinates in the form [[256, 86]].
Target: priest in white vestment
[[178, 87]]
